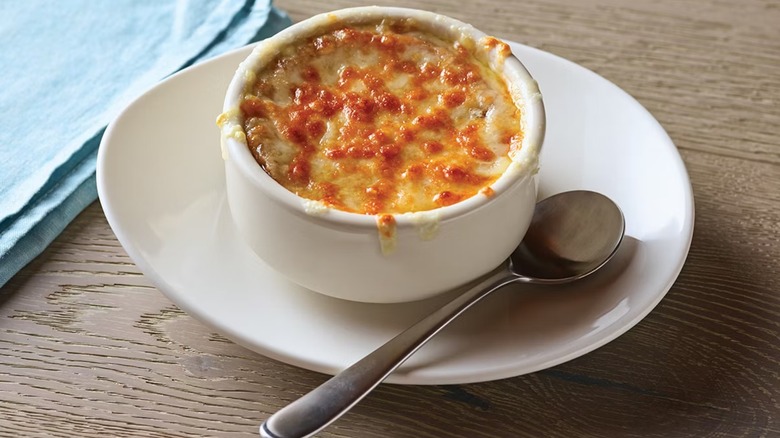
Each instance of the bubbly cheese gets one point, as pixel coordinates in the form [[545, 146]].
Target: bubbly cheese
[[381, 119]]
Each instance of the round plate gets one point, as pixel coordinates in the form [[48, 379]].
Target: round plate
[[160, 180]]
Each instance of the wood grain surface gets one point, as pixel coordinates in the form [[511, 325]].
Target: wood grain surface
[[89, 348]]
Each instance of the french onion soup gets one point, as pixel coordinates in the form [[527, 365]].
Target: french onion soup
[[386, 122], [382, 119]]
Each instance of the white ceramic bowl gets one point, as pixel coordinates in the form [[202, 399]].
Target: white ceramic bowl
[[338, 253]]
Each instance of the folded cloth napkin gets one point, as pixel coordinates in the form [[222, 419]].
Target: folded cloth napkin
[[66, 69]]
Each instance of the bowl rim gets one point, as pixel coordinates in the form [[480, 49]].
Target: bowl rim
[[520, 82]]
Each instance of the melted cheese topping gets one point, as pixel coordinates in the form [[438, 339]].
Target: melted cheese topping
[[382, 119]]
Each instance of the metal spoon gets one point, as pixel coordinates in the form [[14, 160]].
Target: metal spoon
[[571, 235]]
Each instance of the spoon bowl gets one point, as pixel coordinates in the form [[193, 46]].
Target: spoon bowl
[[560, 246], [571, 235]]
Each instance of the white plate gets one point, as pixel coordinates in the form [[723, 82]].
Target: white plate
[[160, 179]]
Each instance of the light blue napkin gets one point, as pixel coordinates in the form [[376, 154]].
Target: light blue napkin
[[66, 69]]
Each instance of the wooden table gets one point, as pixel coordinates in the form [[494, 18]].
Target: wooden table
[[90, 348]]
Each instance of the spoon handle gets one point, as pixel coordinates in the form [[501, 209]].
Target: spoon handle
[[326, 403]]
